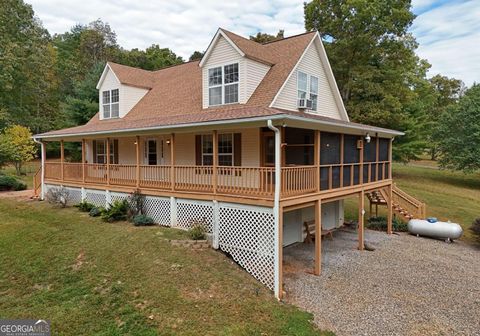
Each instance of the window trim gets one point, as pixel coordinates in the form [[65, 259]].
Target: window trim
[[312, 92], [113, 145], [110, 103], [223, 84]]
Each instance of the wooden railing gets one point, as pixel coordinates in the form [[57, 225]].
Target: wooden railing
[[415, 207], [243, 181]]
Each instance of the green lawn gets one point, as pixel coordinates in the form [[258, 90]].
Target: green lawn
[[449, 195], [28, 171], [94, 278]]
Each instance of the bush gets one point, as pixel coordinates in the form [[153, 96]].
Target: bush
[[197, 231], [58, 196], [85, 206], [380, 224], [136, 205], [96, 211], [116, 212], [475, 228], [142, 220], [8, 183]]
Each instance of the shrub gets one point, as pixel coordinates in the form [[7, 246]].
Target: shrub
[[197, 231], [85, 206], [380, 224], [8, 183], [58, 196], [116, 212], [136, 205], [142, 220], [96, 211], [475, 228]]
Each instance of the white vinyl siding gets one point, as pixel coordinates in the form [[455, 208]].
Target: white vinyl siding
[[129, 96], [255, 73], [311, 64]]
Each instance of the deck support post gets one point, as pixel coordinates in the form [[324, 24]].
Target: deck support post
[[137, 168], [318, 238], [390, 209], [62, 160], [42, 177], [108, 160], [215, 160], [172, 161], [316, 158], [361, 217], [83, 161]]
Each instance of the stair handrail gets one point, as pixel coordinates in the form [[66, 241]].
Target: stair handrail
[[420, 207]]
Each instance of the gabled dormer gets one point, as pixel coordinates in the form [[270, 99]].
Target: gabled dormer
[[120, 88], [231, 71]]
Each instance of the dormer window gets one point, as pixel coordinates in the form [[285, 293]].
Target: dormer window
[[223, 85], [110, 102]]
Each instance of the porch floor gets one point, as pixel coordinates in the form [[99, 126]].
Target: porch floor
[[407, 286]]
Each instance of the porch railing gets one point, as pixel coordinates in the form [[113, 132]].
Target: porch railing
[[243, 181]]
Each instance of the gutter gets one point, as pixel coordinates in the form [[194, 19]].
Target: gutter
[[223, 122], [276, 210]]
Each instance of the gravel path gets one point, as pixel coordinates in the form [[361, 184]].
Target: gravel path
[[407, 286]]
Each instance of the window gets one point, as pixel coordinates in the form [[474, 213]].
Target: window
[[110, 101], [100, 151], [314, 92], [223, 85], [302, 85], [308, 84], [207, 150], [225, 149], [229, 149]]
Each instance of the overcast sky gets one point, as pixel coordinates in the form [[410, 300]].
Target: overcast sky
[[448, 30]]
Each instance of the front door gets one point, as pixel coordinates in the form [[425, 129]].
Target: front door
[[151, 152]]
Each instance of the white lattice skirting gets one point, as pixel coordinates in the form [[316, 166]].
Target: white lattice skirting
[[245, 232]]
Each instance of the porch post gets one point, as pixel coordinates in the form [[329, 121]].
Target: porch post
[[316, 158], [172, 161], [342, 141], [137, 168], [377, 157], [62, 159], [390, 209], [215, 160], [108, 160], [390, 159], [83, 160], [318, 237], [361, 216], [360, 173], [42, 176]]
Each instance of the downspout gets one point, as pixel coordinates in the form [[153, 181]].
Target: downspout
[[276, 209], [42, 174]]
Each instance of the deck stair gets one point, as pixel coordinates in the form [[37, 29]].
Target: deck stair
[[402, 203]]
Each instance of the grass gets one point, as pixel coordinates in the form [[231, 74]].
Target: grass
[[449, 195], [94, 278]]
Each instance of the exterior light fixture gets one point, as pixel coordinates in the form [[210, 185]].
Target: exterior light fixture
[[367, 138]]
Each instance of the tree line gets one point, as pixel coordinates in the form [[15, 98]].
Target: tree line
[[48, 82]]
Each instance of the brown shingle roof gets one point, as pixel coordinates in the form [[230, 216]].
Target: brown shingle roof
[[175, 93]]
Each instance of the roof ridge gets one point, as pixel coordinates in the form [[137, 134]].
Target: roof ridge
[[128, 66], [174, 65], [288, 37]]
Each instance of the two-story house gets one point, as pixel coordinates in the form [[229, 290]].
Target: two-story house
[[252, 140]]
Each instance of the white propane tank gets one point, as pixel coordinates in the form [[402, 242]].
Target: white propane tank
[[444, 230]]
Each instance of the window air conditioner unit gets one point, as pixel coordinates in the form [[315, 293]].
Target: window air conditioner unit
[[304, 103]]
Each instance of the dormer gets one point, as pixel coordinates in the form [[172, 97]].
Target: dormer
[[120, 88], [230, 74]]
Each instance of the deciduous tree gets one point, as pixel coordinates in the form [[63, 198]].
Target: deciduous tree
[[17, 146]]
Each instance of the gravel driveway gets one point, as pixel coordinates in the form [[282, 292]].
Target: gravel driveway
[[407, 286]]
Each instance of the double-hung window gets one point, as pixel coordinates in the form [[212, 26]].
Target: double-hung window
[[110, 102], [223, 85], [207, 150], [302, 84], [225, 149], [100, 151]]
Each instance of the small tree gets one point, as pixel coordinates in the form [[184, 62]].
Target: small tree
[[17, 146]]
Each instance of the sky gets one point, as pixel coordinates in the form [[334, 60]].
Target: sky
[[448, 32]]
